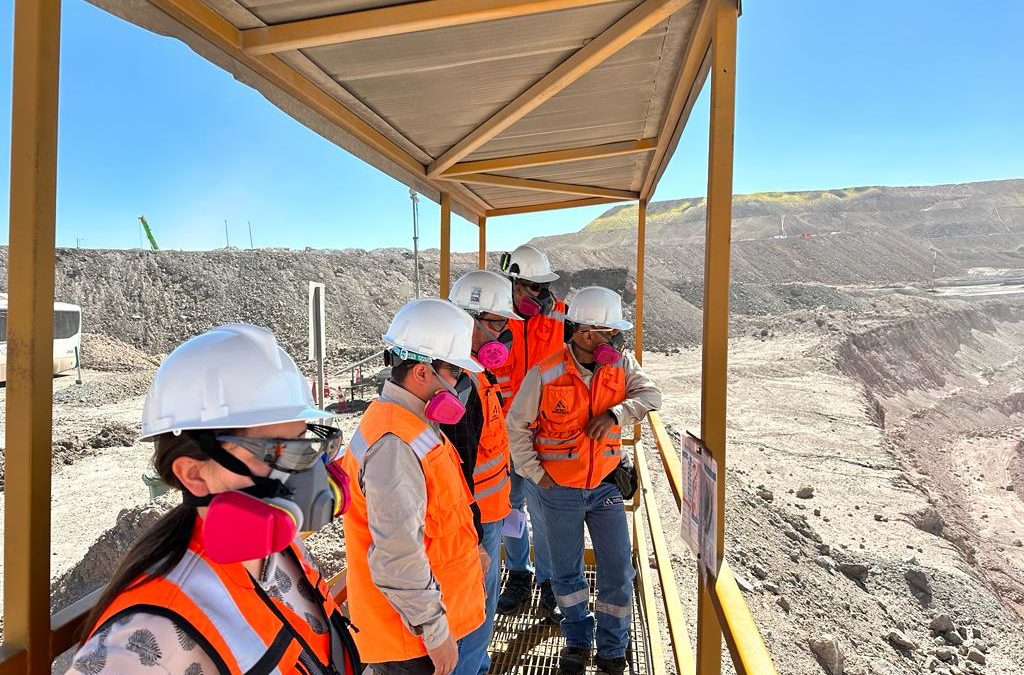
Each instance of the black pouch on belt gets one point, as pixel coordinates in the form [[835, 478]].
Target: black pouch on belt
[[624, 478]]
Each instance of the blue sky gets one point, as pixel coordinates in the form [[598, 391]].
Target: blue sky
[[829, 95]]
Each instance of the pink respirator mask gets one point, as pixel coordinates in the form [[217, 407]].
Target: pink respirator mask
[[494, 354], [444, 407], [610, 352], [257, 521], [530, 306]]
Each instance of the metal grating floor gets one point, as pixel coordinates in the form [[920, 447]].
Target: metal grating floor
[[524, 644]]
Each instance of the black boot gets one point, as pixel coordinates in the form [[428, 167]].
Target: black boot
[[516, 594], [548, 604], [610, 666], [573, 660]]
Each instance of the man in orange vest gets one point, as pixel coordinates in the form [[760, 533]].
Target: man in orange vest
[[481, 439], [542, 332], [415, 578], [564, 433]]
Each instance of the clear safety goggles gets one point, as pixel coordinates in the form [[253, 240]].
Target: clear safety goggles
[[493, 321], [294, 454]]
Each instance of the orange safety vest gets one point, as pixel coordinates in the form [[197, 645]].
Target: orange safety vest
[[491, 484], [240, 627], [532, 340], [566, 452], [448, 536]]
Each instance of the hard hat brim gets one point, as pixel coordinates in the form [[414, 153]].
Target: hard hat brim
[[621, 324], [466, 364], [538, 278], [257, 418], [498, 312]]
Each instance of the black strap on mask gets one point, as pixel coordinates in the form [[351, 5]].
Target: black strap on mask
[[263, 487]]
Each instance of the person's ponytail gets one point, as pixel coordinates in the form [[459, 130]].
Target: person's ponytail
[[161, 547]]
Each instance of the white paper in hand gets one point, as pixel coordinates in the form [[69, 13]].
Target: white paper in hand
[[514, 525]]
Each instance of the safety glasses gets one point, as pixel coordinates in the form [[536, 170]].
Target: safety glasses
[[532, 285], [496, 324], [453, 370], [293, 454]]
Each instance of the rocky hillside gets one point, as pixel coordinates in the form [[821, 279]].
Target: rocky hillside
[[870, 235], [856, 236]]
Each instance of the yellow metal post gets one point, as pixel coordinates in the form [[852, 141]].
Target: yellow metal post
[[641, 246], [446, 242], [482, 246], [30, 330], [714, 373], [638, 319]]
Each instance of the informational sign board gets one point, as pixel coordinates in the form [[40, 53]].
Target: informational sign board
[[317, 337], [699, 510]]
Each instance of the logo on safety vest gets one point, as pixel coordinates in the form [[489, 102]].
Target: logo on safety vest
[[560, 408]]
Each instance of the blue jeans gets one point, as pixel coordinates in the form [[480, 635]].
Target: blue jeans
[[473, 656], [566, 511], [517, 549]]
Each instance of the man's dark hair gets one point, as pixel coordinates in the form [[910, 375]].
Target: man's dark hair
[[400, 369]]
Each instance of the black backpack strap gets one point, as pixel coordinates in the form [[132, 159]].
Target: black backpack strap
[[353, 664]]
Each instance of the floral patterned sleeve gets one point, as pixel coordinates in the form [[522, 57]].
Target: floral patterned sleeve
[[141, 643]]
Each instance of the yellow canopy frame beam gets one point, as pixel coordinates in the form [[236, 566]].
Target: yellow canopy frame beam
[[552, 206], [197, 16], [481, 224], [397, 20], [715, 352], [641, 19], [552, 157], [446, 243], [30, 331], [687, 87], [545, 186]]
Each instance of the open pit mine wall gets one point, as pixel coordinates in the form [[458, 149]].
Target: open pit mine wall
[[154, 300]]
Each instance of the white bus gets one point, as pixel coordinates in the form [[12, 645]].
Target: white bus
[[67, 336]]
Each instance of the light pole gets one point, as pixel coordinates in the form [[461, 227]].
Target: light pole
[[415, 238]]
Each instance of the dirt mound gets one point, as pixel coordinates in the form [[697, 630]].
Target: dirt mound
[[97, 392], [98, 565], [114, 435], [71, 449], [102, 352]]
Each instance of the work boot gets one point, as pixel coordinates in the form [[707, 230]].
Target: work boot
[[548, 604], [616, 666], [516, 594], [573, 660]]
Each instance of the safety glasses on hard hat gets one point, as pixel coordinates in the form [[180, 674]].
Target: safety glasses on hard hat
[[293, 454]]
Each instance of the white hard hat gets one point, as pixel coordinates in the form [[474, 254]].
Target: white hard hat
[[436, 329], [230, 377], [530, 263], [597, 306], [484, 291]]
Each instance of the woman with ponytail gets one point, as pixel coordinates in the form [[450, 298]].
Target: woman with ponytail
[[222, 584]]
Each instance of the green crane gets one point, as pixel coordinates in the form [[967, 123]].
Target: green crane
[[149, 233]]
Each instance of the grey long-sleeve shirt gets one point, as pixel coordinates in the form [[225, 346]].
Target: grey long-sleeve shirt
[[392, 480], [642, 396]]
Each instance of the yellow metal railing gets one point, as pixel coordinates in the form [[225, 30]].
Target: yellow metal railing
[[749, 654]]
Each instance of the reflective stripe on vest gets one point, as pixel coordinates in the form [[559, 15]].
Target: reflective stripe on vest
[[492, 487], [533, 340], [220, 607], [206, 589], [567, 404], [449, 539]]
